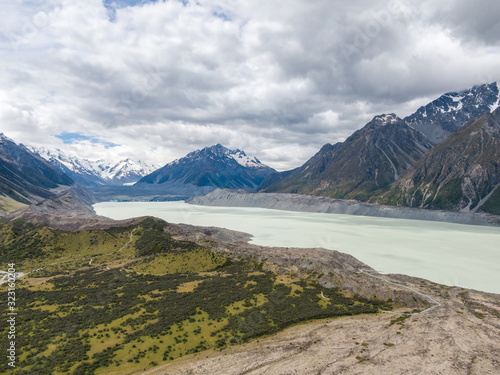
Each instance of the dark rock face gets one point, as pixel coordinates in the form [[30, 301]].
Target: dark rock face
[[317, 162], [24, 176], [212, 167], [461, 173], [448, 113], [370, 159]]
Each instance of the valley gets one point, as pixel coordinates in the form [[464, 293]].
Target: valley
[[249, 187], [436, 251], [137, 294], [147, 296]]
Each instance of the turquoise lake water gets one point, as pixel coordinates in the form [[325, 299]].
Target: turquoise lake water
[[450, 254]]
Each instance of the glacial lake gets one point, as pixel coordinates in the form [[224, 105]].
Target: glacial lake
[[450, 254]]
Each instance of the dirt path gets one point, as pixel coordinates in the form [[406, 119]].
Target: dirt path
[[432, 300]]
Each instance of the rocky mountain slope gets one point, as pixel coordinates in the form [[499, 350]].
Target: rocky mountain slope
[[207, 169], [24, 176], [96, 173], [449, 112], [314, 165], [460, 173], [370, 159]]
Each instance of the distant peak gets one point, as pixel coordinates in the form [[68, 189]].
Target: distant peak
[[388, 118], [3, 136], [475, 90], [218, 146], [219, 152], [217, 149], [383, 120]]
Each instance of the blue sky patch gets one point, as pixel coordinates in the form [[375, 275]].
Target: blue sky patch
[[70, 138], [222, 16], [113, 5], [126, 3]]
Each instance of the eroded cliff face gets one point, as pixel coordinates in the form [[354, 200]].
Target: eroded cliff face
[[306, 203], [462, 173]]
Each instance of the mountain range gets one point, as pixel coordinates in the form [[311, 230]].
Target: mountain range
[[444, 156], [378, 162], [372, 158], [95, 173], [460, 173], [449, 112]]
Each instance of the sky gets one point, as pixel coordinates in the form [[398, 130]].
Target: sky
[[155, 80]]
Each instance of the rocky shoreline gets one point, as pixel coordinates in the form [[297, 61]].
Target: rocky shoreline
[[307, 203]]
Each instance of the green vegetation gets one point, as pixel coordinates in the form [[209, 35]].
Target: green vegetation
[[492, 205], [147, 298], [154, 240], [400, 320], [449, 195]]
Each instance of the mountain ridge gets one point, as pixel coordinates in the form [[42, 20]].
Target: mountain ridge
[[95, 172], [460, 173], [446, 114], [211, 167], [371, 158], [368, 162]]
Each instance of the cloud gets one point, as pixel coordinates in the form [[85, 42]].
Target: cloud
[[162, 78], [471, 22]]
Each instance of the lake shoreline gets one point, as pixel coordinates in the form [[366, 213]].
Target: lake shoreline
[[437, 251], [308, 203]]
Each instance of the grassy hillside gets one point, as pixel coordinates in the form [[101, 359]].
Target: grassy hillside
[[125, 299]]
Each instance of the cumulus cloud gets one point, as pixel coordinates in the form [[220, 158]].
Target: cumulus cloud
[[160, 79]]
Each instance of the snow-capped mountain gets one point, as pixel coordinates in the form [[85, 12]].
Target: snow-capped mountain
[[96, 173], [375, 156], [210, 168], [449, 112], [125, 172]]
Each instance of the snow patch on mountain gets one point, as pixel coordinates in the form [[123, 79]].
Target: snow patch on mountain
[[497, 104], [219, 151], [243, 159], [96, 172], [3, 138], [456, 98]]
